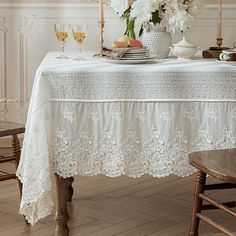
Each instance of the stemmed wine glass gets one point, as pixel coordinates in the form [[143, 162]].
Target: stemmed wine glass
[[62, 33], [80, 34]]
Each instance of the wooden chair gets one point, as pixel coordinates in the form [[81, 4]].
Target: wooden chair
[[11, 129], [219, 164]]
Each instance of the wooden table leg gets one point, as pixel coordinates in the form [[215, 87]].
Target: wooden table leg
[[70, 189], [16, 152], [62, 216]]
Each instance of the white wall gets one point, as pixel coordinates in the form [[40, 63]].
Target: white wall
[[86, 1], [27, 34]]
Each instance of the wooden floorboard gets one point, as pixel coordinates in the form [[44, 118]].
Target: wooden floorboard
[[121, 206]]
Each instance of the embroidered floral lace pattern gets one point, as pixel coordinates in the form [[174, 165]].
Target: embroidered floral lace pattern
[[75, 127], [118, 86], [135, 146]]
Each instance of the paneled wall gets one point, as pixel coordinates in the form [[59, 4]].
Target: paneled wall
[[2, 60], [27, 34], [86, 1]]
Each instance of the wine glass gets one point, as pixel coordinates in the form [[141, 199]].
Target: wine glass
[[62, 32], [80, 34]]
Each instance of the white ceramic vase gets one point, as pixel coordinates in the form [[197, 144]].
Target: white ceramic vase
[[157, 39]]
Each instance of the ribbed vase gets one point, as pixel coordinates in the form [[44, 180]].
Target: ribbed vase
[[157, 39]]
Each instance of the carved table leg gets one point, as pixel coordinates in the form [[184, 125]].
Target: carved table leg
[[62, 216], [16, 153], [70, 189]]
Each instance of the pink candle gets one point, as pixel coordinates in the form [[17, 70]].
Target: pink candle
[[219, 34], [101, 11]]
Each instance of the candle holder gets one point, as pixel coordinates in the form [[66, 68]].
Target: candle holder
[[101, 27], [101, 38], [219, 42], [214, 52], [101, 24]]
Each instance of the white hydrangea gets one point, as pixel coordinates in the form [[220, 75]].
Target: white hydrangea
[[177, 14], [142, 9], [120, 6], [180, 20], [154, 5]]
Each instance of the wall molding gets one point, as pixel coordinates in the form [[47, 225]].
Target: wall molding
[[223, 6], [3, 30], [28, 25], [48, 5], [78, 5]]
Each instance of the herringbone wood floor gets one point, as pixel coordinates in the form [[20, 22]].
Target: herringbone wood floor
[[122, 206]]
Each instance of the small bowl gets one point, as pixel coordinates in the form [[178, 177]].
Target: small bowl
[[184, 49]]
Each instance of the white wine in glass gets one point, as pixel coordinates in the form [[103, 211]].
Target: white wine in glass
[[80, 34], [62, 33]]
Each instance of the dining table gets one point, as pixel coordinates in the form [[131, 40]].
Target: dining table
[[100, 117]]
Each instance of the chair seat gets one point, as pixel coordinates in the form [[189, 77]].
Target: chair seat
[[220, 164], [10, 128]]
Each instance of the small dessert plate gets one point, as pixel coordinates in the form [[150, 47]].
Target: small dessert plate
[[130, 61]]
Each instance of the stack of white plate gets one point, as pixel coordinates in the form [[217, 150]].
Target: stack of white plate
[[136, 54], [133, 56]]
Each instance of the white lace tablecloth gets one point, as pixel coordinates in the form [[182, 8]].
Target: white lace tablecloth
[[94, 117]]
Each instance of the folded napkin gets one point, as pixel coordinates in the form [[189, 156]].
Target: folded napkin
[[115, 53]]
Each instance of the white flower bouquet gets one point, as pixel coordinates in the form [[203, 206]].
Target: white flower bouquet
[[123, 9], [177, 14]]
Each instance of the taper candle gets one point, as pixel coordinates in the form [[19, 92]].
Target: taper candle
[[219, 34]]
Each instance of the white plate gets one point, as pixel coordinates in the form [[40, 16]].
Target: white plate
[[129, 61], [136, 51], [132, 50], [139, 57]]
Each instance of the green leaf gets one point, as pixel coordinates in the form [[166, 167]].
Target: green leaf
[[141, 31], [130, 23], [130, 28], [155, 17]]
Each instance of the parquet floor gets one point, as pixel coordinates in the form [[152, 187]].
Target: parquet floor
[[121, 206]]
